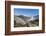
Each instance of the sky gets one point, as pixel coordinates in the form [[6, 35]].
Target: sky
[[26, 12]]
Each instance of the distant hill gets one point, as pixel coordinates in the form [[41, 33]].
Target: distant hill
[[24, 17], [26, 21]]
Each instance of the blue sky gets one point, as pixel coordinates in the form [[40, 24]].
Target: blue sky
[[26, 12]]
